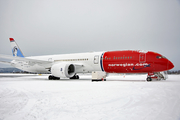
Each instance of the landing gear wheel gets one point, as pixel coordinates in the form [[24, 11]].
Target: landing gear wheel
[[53, 78], [75, 77], [57, 78], [50, 77], [149, 79]]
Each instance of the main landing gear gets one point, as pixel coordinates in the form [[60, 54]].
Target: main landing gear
[[51, 77], [75, 77]]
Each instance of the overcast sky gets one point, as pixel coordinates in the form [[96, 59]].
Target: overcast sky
[[43, 27]]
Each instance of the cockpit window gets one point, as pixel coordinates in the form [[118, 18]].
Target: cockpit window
[[160, 57], [163, 57]]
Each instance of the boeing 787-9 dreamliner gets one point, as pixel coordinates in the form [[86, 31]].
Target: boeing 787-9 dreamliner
[[69, 65]]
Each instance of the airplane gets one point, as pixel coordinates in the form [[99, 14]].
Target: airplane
[[69, 65]]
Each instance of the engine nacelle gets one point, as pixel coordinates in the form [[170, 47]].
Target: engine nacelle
[[63, 70]]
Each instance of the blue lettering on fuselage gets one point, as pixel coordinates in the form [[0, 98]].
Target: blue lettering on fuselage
[[145, 66], [137, 66]]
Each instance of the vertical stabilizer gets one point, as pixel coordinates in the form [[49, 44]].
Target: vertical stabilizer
[[16, 51]]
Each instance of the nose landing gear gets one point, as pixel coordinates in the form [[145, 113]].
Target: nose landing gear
[[149, 79], [157, 76]]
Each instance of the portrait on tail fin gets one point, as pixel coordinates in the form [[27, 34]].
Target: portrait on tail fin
[[15, 49]]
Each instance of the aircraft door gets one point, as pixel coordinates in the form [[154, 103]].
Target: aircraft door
[[142, 57], [96, 59]]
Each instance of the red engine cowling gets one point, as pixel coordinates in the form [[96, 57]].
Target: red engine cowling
[[63, 70]]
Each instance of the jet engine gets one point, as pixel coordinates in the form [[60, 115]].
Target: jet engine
[[63, 70]]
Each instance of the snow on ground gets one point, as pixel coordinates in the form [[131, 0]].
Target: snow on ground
[[121, 97]]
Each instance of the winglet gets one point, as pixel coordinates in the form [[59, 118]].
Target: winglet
[[15, 48]]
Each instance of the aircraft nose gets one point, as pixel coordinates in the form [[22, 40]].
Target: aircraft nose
[[170, 65]]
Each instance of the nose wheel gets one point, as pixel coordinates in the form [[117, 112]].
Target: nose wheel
[[149, 79]]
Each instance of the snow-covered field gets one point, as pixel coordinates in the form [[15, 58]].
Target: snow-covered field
[[128, 97]]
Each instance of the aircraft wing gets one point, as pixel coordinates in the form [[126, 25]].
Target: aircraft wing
[[46, 64], [32, 62], [5, 62]]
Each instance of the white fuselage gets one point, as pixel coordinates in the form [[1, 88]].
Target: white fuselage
[[85, 62]]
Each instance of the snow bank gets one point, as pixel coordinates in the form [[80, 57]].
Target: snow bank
[[120, 97]]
